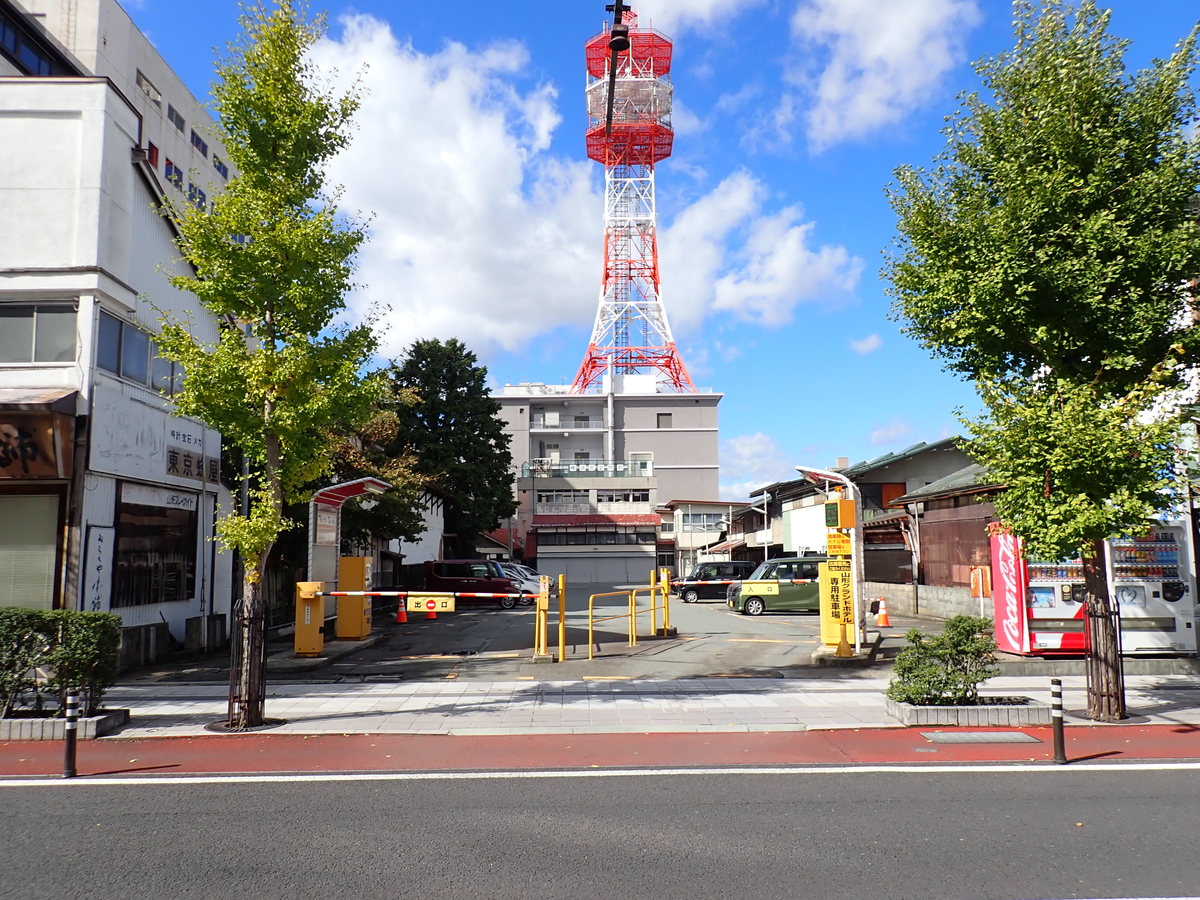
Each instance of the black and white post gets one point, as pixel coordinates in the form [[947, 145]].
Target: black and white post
[[72, 732], [1056, 714]]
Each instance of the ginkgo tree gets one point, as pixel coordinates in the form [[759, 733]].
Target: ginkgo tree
[[272, 259], [1047, 257]]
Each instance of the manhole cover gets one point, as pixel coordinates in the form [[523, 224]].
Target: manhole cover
[[980, 737]]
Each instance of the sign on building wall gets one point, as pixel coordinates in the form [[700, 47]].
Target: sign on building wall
[[35, 445], [98, 568], [131, 439]]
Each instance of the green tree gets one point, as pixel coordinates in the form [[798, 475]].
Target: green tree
[[272, 261], [455, 435], [1045, 257]]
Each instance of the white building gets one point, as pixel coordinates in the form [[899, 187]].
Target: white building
[[107, 501]]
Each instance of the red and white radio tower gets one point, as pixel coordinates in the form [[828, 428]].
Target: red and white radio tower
[[629, 130]]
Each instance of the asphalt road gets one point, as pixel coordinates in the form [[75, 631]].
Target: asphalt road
[[914, 834], [485, 643]]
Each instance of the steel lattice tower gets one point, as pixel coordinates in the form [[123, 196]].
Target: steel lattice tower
[[631, 326]]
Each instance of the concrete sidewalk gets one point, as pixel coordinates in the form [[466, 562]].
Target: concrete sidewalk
[[601, 706]]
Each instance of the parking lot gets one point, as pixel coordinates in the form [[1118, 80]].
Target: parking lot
[[486, 643]]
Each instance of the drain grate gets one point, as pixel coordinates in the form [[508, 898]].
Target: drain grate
[[980, 737]]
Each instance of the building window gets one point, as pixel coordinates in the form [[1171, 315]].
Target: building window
[[174, 117], [562, 497], [152, 155], [623, 496], [196, 197], [221, 168], [664, 420], [149, 89], [199, 144], [123, 349], [702, 522], [37, 334], [155, 556], [29, 56], [174, 174]]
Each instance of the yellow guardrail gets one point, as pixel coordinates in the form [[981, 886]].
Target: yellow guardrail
[[628, 615], [660, 585]]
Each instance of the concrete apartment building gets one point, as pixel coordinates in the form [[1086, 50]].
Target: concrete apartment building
[[107, 501], [594, 469]]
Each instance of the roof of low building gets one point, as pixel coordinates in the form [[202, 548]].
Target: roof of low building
[[973, 479], [614, 519]]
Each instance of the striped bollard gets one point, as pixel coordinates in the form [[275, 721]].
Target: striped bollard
[[72, 732], [1056, 715]]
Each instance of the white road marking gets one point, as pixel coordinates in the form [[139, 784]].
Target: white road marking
[[534, 774]]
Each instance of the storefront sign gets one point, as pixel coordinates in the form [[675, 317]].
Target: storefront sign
[[132, 439], [35, 445], [144, 495], [98, 568]]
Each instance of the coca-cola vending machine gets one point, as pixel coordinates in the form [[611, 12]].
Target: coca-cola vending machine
[[1039, 606]]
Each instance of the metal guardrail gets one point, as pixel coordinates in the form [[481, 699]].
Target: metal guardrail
[[592, 620], [587, 468]]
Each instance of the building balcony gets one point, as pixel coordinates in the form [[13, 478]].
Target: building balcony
[[566, 423], [587, 468]]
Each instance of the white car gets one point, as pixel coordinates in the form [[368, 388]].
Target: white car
[[527, 579]]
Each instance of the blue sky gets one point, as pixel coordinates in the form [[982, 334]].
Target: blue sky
[[790, 117]]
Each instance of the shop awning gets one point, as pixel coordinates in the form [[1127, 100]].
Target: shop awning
[[58, 400], [724, 547], [614, 519]]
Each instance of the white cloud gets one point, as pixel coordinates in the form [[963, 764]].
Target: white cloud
[[751, 461], [764, 278], [477, 232], [867, 345], [890, 433], [878, 59], [674, 15]]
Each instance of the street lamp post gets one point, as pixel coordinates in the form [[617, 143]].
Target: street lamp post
[[855, 537]]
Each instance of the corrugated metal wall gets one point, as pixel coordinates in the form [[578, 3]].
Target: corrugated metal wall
[[954, 539]]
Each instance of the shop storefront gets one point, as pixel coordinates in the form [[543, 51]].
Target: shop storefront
[[36, 450]]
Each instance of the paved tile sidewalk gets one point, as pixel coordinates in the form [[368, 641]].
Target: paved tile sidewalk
[[569, 707]]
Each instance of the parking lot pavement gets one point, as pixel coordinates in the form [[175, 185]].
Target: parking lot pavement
[[485, 643]]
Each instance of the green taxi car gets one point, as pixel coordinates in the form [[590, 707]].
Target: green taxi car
[[779, 585]]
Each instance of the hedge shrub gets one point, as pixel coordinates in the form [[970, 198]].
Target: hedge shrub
[[945, 670], [43, 653]]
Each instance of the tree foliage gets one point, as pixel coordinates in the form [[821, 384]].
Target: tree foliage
[[272, 260], [1054, 232], [1046, 257], [451, 428]]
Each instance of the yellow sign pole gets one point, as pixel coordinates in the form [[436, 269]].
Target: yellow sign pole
[[562, 618]]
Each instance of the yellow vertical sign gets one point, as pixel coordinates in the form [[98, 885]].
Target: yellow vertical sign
[[837, 599]]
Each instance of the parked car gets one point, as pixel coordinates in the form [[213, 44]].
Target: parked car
[[710, 581], [472, 576], [779, 585], [525, 578]]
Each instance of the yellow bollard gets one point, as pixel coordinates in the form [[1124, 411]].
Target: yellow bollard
[[654, 601], [666, 583], [562, 618]]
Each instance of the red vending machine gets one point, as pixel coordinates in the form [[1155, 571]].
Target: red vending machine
[[1039, 606]]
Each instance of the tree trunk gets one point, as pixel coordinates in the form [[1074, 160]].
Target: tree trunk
[[1105, 667], [247, 672]]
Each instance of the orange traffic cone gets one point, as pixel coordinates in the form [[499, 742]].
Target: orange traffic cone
[[401, 612], [881, 619]]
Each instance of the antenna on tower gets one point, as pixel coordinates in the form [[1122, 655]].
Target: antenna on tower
[[618, 41], [631, 335]]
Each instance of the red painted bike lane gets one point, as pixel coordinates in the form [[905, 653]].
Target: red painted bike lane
[[261, 752]]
